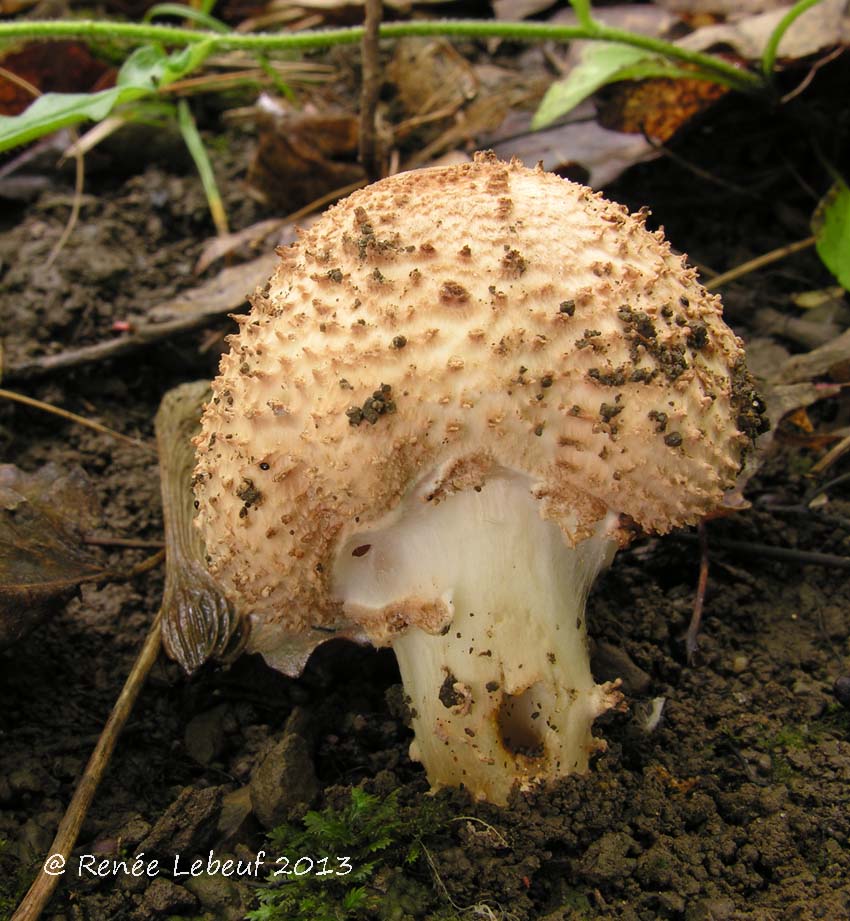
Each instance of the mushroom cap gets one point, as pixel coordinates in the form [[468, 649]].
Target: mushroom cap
[[450, 322]]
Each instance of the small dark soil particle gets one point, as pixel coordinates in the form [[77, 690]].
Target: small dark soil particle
[[375, 406], [249, 494], [448, 696]]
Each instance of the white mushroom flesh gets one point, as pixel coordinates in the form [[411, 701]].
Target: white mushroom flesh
[[502, 693]]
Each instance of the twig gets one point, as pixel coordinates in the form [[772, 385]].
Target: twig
[[789, 554], [804, 83], [142, 335], [39, 894], [114, 575], [76, 205], [759, 262], [369, 90], [831, 457], [73, 417], [692, 636], [133, 543], [19, 81]]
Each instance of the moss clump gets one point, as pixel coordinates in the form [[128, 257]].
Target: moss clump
[[355, 855]]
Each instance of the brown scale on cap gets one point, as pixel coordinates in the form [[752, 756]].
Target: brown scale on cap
[[468, 272]]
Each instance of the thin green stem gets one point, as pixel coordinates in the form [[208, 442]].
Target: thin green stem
[[768, 58], [513, 31], [194, 142]]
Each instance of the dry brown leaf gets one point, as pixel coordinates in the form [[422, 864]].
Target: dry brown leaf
[[820, 27], [691, 9], [514, 10], [50, 67], [227, 291], [581, 150], [834, 356], [657, 107], [253, 237], [301, 156], [43, 517], [430, 76]]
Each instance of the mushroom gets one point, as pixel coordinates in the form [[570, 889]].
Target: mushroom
[[462, 390]]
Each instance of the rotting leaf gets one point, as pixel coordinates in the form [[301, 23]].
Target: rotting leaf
[[581, 150], [198, 620], [822, 26], [43, 517], [831, 225], [51, 67], [302, 156], [658, 107]]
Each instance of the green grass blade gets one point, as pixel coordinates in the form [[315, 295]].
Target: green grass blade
[[193, 140]]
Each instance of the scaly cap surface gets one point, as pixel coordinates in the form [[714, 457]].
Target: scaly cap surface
[[444, 323]]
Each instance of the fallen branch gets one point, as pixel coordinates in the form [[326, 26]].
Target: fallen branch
[[72, 417], [759, 263], [786, 554], [199, 307]]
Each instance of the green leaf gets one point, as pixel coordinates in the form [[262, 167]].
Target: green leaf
[[582, 10], [189, 13], [143, 72], [182, 63], [144, 68], [831, 226], [601, 63], [59, 110]]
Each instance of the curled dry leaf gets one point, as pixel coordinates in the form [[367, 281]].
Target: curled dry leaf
[[43, 518], [657, 107], [824, 25], [301, 156], [198, 620], [430, 77]]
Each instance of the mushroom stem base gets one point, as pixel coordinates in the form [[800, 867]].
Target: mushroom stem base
[[503, 696]]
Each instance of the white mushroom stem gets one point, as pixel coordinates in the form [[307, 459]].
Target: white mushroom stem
[[500, 687]]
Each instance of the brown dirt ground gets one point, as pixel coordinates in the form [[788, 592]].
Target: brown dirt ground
[[735, 807]]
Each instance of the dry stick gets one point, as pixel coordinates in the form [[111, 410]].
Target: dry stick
[[832, 455], [73, 417], [142, 335], [115, 575], [76, 206], [80, 178], [692, 636], [789, 554], [759, 262], [36, 899], [133, 543], [370, 88]]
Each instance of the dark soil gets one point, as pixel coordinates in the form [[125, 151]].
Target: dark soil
[[735, 807]]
